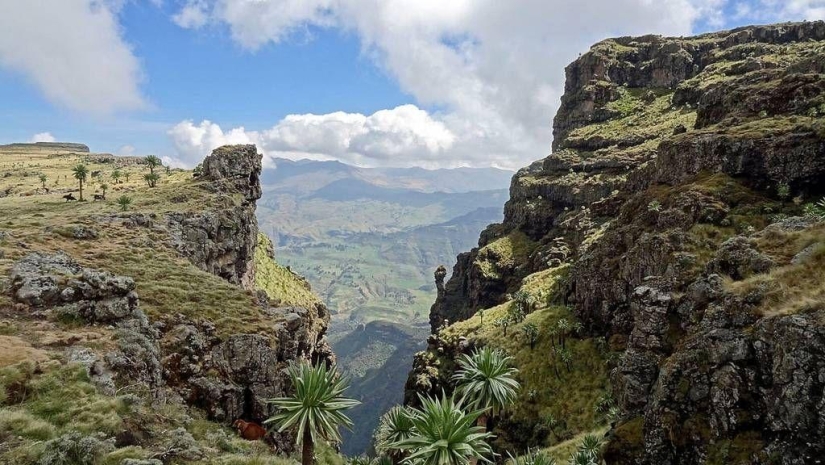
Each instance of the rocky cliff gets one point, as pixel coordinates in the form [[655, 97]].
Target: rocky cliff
[[178, 303], [52, 147], [678, 207]]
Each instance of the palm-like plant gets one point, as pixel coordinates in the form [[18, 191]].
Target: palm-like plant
[[153, 162], [487, 380], [104, 187], [531, 334], [124, 201], [566, 357], [503, 323], [592, 445], [563, 326], [116, 175], [43, 180], [81, 173], [315, 410], [151, 179], [395, 426], [815, 210], [581, 457], [446, 435]]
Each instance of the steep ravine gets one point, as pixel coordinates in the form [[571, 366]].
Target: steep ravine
[[675, 222]]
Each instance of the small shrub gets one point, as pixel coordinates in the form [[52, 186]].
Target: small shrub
[[654, 206], [124, 201], [532, 457], [783, 191], [76, 449], [815, 210]]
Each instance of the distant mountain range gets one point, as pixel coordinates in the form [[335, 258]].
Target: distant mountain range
[[368, 240], [303, 176]]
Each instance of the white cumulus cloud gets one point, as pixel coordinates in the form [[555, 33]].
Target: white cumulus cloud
[[42, 137], [193, 15], [73, 51], [402, 136], [494, 68]]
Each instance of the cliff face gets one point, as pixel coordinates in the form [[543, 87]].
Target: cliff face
[[52, 147], [223, 241], [178, 303], [674, 194]]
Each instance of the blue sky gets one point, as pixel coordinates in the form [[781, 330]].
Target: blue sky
[[393, 83]]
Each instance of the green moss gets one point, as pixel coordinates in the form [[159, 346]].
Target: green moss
[[637, 121], [742, 449], [626, 443], [504, 254], [279, 283]]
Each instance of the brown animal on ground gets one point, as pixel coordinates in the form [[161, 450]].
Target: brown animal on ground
[[249, 431], [69, 197]]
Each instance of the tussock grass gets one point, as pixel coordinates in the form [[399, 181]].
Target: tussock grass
[[562, 451], [789, 288]]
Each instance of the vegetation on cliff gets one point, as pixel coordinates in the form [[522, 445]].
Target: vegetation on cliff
[[139, 334], [681, 204]]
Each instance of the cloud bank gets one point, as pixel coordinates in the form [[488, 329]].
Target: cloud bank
[[42, 137], [494, 67], [405, 135], [73, 51]]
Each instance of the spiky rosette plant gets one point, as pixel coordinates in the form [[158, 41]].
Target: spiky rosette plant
[[316, 410], [446, 435], [394, 427], [487, 379]]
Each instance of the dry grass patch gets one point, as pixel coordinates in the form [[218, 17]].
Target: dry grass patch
[[790, 288], [14, 350]]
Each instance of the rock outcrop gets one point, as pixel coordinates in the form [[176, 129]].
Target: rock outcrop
[[57, 286], [223, 241], [672, 157], [229, 373], [56, 147]]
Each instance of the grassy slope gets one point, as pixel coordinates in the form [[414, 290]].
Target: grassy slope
[[57, 399], [554, 404]]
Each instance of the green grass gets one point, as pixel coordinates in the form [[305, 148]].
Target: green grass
[[280, 284], [637, 120], [548, 390], [60, 400], [503, 254]]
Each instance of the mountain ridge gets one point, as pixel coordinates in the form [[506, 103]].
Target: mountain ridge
[[662, 227]]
